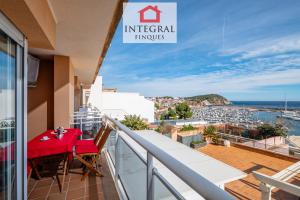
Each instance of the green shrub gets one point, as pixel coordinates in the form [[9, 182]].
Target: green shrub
[[134, 122], [269, 130], [187, 128], [209, 131], [197, 142]]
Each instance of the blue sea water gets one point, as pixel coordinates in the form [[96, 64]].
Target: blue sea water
[[271, 117], [268, 104]]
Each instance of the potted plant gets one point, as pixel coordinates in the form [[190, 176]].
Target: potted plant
[[216, 139], [209, 133]]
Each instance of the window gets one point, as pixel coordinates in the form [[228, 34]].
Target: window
[[12, 113]]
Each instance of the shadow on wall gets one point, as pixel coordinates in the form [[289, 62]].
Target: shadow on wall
[[51, 102], [41, 101]]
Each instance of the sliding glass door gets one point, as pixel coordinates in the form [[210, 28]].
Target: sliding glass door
[[12, 115], [7, 116]]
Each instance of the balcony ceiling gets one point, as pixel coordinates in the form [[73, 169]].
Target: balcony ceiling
[[83, 31]]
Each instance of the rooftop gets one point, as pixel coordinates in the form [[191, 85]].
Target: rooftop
[[202, 164], [248, 161]]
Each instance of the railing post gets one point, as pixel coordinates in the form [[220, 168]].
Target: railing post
[[265, 191], [117, 160], [266, 143], [150, 187]]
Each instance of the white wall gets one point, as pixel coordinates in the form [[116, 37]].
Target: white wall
[[119, 104], [7, 97], [95, 98]]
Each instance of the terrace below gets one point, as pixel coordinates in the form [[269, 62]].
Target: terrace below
[[249, 160]]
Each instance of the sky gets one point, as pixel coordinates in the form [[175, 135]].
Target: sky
[[243, 50]]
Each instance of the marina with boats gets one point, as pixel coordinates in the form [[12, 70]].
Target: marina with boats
[[293, 115], [250, 116]]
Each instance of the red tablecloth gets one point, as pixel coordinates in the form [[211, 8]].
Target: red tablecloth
[[37, 148], [9, 149]]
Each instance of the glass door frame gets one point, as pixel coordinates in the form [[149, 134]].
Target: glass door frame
[[20, 105]]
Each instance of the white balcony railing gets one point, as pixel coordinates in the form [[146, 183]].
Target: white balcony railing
[[87, 121], [136, 177]]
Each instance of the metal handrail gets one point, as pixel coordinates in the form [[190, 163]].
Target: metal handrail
[[292, 143], [85, 122], [201, 185]]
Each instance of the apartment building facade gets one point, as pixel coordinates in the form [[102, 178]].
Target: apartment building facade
[[70, 46], [118, 104]]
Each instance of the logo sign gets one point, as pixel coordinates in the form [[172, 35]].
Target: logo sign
[[149, 22]]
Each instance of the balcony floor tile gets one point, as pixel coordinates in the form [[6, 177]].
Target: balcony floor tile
[[93, 187]]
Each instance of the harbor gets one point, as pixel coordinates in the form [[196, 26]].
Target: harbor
[[248, 117]]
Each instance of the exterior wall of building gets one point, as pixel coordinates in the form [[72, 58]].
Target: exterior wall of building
[[49, 108], [119, 104], [51, 103], [63, 91], [191, 122], [187, 140], [40, 101]]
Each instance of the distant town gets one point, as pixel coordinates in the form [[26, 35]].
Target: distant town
[[165, 103], [216, 110]]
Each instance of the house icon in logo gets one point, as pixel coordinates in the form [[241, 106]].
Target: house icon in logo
[[149, 8]]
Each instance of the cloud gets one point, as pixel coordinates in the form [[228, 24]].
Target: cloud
[[258, 48], [217, 82], [265, 47]]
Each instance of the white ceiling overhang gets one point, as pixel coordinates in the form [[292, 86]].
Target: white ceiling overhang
[[83, 32]]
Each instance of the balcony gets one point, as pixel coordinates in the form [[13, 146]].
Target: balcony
[[147, 165], [141, 170]]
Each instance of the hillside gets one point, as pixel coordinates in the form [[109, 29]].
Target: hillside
[[208, 99]]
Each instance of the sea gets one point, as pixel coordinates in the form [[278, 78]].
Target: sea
[[271, 116]]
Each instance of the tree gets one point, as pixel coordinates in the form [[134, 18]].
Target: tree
[[170, 114], [183, 111], [134, 122], [164, 116], [266, 130]]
